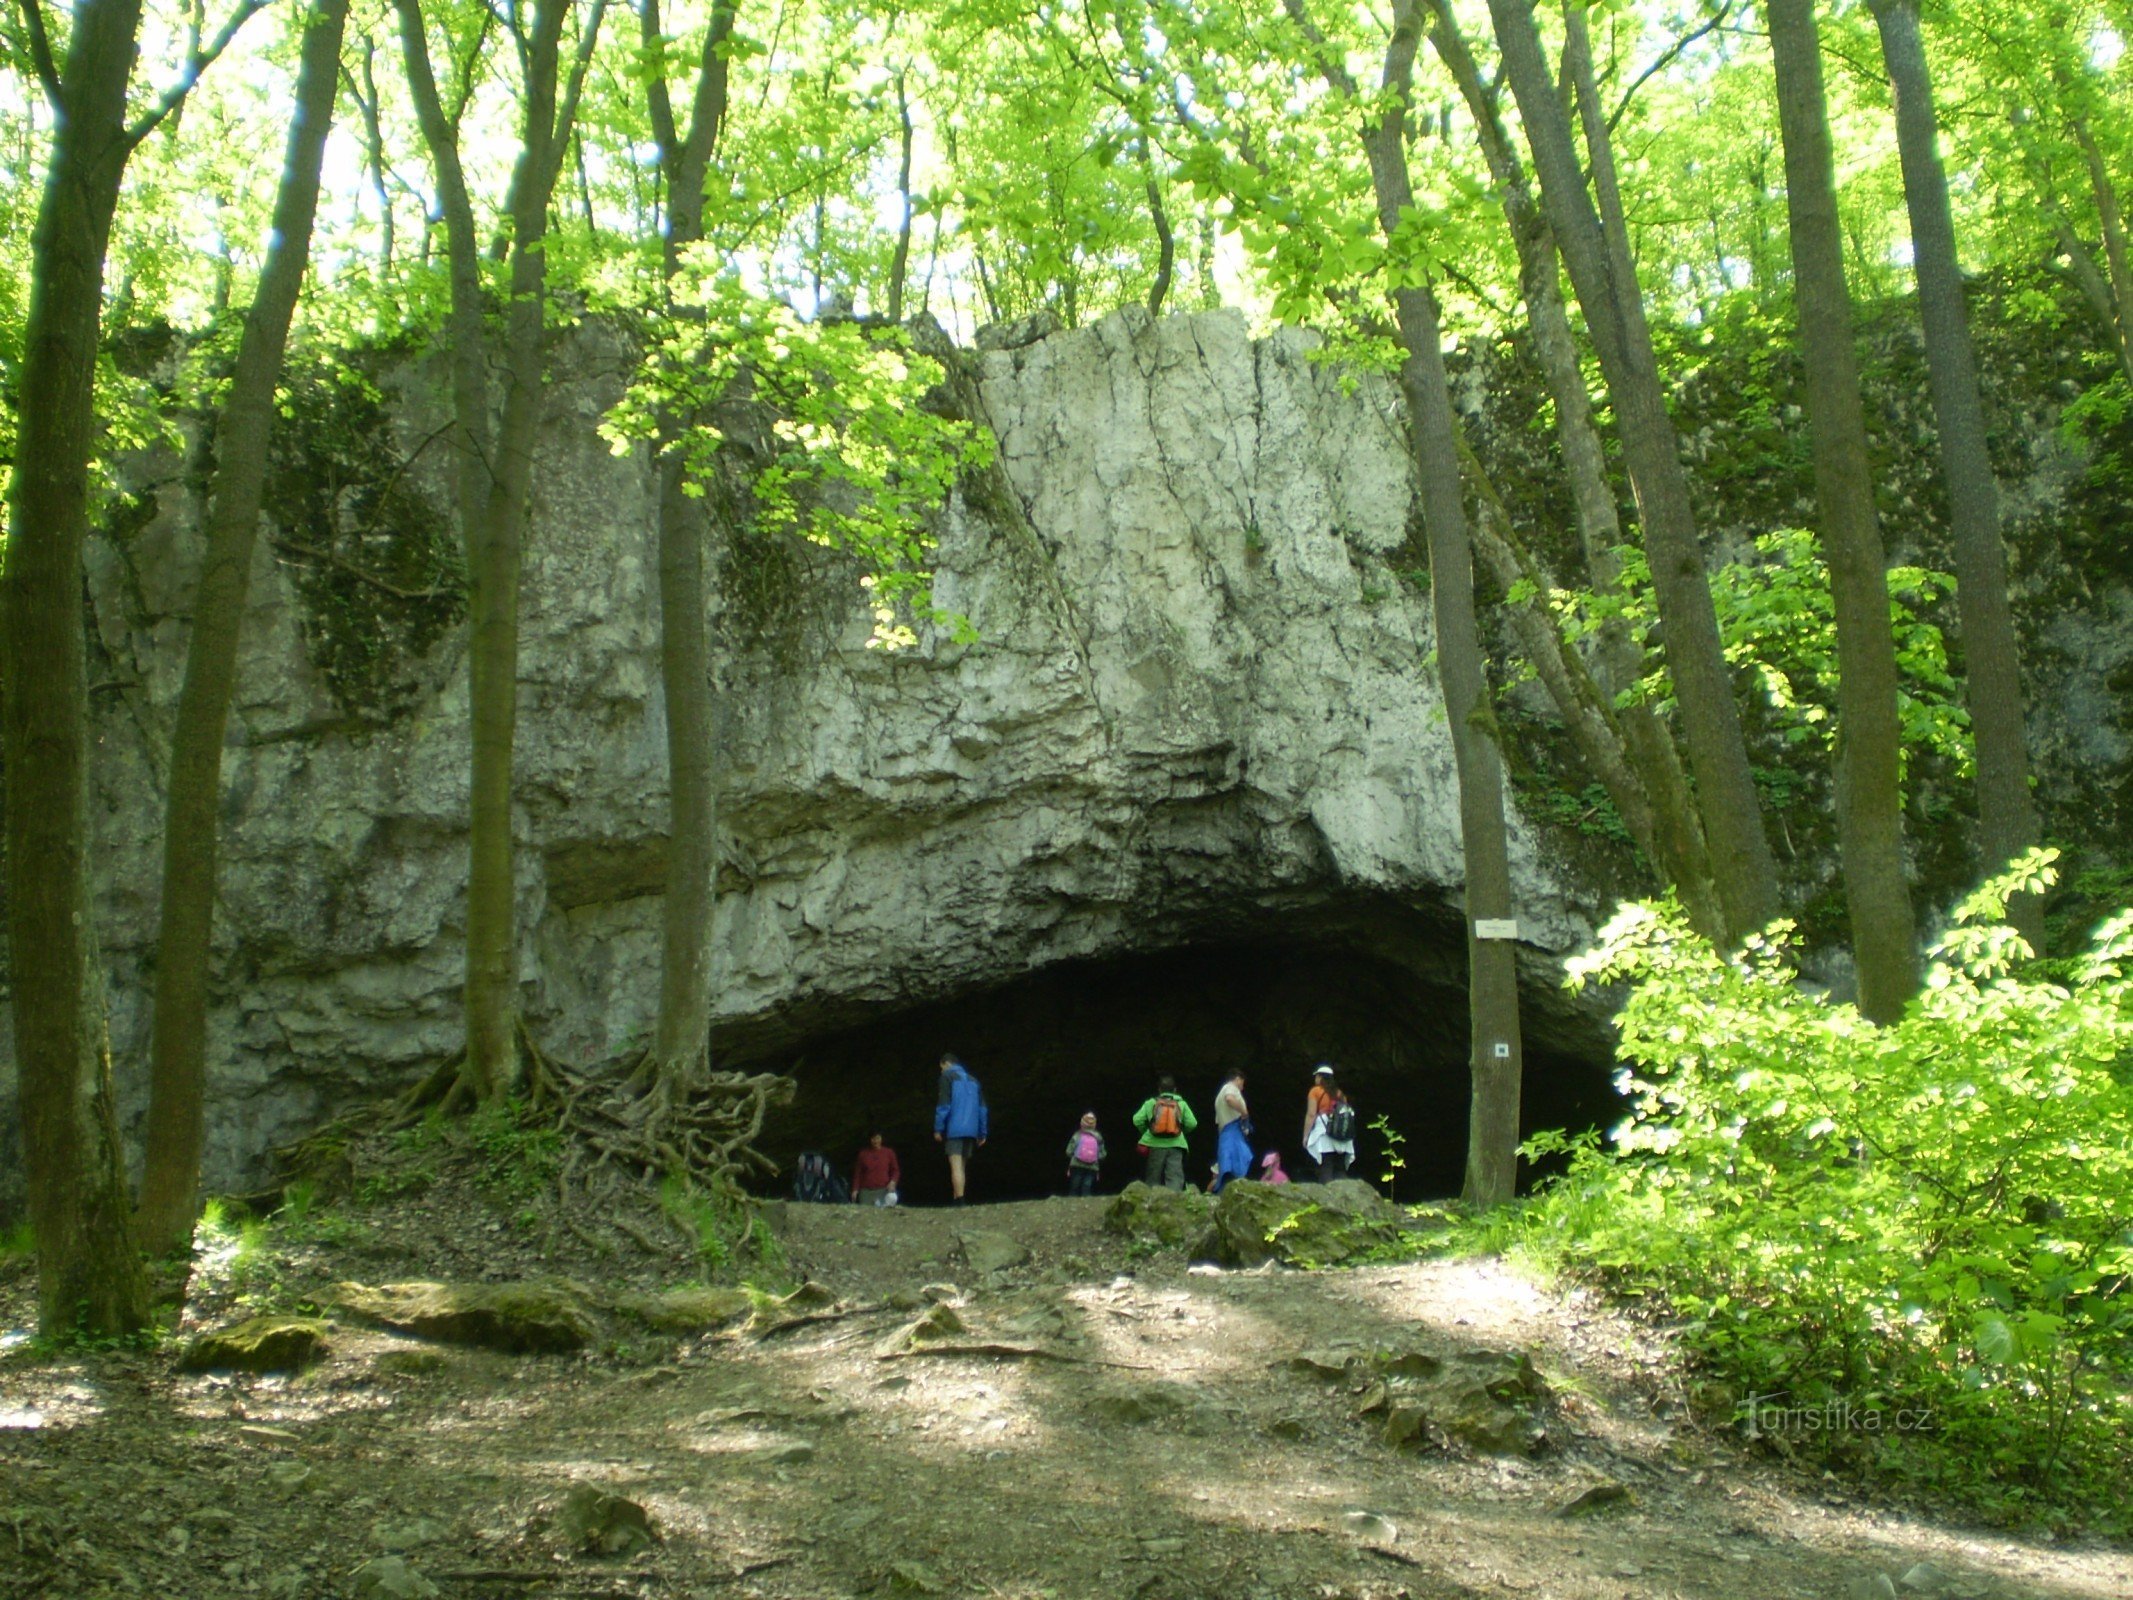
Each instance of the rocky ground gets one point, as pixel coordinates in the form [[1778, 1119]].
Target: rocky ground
[[1000, 1401]]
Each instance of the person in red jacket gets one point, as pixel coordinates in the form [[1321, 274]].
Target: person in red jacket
[[876, 1175]]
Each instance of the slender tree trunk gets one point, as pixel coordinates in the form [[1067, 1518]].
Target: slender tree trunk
[[1166, 244], [1671, 834], [1869, 736], [2112, 222], [89, 1273], [176, 1125], [900, 259], [2007, 816], [494, 482], [1607, 290], [366, 99], [1492, 982], [682, 1038]]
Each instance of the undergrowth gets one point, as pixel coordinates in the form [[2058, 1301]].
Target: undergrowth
[[1904, 1252]]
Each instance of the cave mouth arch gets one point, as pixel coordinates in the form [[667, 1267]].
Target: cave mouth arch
[[1380, 996]]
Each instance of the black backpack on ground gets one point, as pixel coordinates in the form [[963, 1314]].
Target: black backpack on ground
[[815, 1180]]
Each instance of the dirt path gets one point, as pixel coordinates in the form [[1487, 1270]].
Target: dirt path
[[1087, 1423]]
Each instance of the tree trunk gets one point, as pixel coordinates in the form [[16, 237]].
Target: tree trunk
[[89, 1276], [176, 1126], [495, 471], [1869, 736], [900, 258], [1492, 972], [2007, 817], [1671, 835], [682, 1038], [1607, 289]]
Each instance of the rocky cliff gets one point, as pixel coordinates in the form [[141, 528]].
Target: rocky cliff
[[1196, 755]]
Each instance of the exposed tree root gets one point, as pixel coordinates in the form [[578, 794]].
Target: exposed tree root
[[628, 1132]]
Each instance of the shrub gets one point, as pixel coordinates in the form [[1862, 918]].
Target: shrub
[[1925, 1221]]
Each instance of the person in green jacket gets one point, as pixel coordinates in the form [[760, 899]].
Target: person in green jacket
[[1162, 1122]]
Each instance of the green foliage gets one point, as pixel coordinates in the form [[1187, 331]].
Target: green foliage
[[1390, 1162], [856, 461], [733, 1241], [1930, 1219], [18, 1243], [1778, 624]]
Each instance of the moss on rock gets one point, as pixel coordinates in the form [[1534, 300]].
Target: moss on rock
[[260, 1344], [535, 1317]]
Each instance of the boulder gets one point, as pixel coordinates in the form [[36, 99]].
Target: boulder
[[595, 1522], [1303, 1224], [261, 1344], [1172, 1219], [1491, 1401], [694, 1308], [540, 1316]]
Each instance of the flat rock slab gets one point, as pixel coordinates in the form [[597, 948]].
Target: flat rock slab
[[543, 1316], [261, 1344], [688, 1310]]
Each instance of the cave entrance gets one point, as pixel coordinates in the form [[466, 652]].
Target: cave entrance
[[1095, 1035]]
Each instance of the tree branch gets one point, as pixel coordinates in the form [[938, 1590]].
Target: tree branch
[[1669, 56], [41, 52], [197, 61]]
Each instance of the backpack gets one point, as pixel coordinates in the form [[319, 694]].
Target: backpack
[[1087, 1148], [1164, 1124], [1340, 1122], [816, 1181]]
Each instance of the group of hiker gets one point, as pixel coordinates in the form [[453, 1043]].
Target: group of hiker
[[1165, 1121], [962, 1122]]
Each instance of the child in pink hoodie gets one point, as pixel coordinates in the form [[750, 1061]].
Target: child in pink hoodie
[[1270, 1168]]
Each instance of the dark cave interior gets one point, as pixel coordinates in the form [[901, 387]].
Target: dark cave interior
[[1095, 1035]]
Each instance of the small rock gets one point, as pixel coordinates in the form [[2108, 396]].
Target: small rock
[[902, 1300], [1407, 1424], [599, 1523], [791, 1455], [1411, 1364], [1328, 1364], [290, 1476], [1600, 1497], [391, 1578], [1874, 1586], [1628, 1569], [1924, 1578], [262, 1344], [1163, 1545], [941, 1293], [410, 1534], [1370, 1527], [991, 1252]]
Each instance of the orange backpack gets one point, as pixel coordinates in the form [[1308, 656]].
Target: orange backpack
[[1164, 1124]]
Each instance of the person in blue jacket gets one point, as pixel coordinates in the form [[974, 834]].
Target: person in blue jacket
[[960, 1119]]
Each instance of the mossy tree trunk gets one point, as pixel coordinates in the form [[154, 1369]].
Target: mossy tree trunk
[[1992, 672], [1492, 973], [89, 1272], [177, 1088], [1595, 249], [1869, 735], [682, 1039]]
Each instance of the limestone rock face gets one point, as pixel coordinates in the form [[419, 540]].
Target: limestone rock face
[[1200, 702]]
